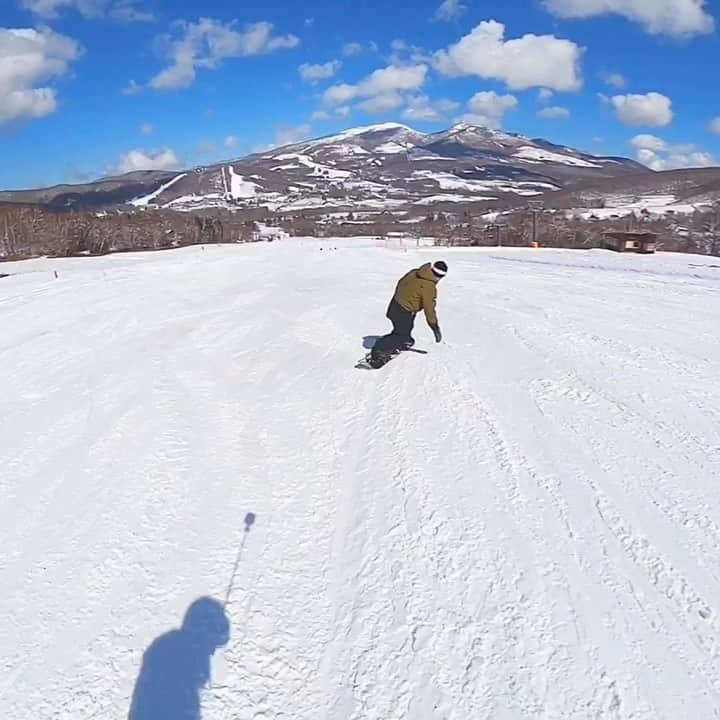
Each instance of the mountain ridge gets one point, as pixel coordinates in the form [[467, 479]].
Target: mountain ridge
[[375, 168]]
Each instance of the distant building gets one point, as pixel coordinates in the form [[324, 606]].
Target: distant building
[[637, 242]]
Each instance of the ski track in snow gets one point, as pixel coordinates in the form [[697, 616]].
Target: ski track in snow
[[522, 524]]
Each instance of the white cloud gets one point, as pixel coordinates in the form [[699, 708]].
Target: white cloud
[[28, 59], [651, 159], [231, 142], [404, 53], [147, 129], [351, 49], [651, 110], [697, 158], [381, 82], [715, 126], [132, 88], [488, 109], [450, 10], [320, 116], [526, 62], [410, 77], [344, 112], [309, 22], [142, 160], [657, 154], [290, 135], [677, 18], [422, 109], [649, 142], [314, 73], [207, 43], [545, 95], [338, 94], [615, 80], [51, 9], [554, 113], [380, 104], [125, 11]]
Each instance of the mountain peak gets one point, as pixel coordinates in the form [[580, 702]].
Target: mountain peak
[[464, 127], [380, 127], [357, 132]]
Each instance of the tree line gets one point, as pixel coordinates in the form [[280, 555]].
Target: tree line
[[30, 231]]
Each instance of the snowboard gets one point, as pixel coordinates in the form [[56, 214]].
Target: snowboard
[[364, 364]]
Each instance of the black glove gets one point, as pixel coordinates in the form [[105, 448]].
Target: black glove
[[437, 333]]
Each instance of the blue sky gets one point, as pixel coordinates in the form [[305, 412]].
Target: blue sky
[[91, 87]]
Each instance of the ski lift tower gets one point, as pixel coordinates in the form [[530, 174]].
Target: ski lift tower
[[535, 207], [497, 229], [409, 147]]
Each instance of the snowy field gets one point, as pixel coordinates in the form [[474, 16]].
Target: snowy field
[[525, 523]]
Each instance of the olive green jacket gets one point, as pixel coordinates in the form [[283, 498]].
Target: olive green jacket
[[417, 291]]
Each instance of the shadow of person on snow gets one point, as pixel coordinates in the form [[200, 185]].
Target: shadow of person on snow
[[176, 667], [369, 341]]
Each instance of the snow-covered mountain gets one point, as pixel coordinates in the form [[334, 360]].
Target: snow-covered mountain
[[375, 168]]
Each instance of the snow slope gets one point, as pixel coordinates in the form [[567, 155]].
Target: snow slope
[[533, 154], [240, 188], [365, 130], [308, 162], [621, 206], [522, 524], [448, 181], [147, 199]]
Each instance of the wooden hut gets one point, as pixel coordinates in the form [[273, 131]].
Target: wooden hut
[[638, 242]]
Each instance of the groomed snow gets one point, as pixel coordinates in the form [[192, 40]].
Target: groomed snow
[[391, 148], [533, 154], [192, 199], [344, 149], [241, 188], [318, 169], [523, 523], [417, 157], [452, 198], [147, 199], [618, 206], [449, 181]]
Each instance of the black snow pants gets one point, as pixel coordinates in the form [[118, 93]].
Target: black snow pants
[[401, 336], [403, 320]]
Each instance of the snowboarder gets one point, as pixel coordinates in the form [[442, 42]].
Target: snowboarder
[[416, 291]]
